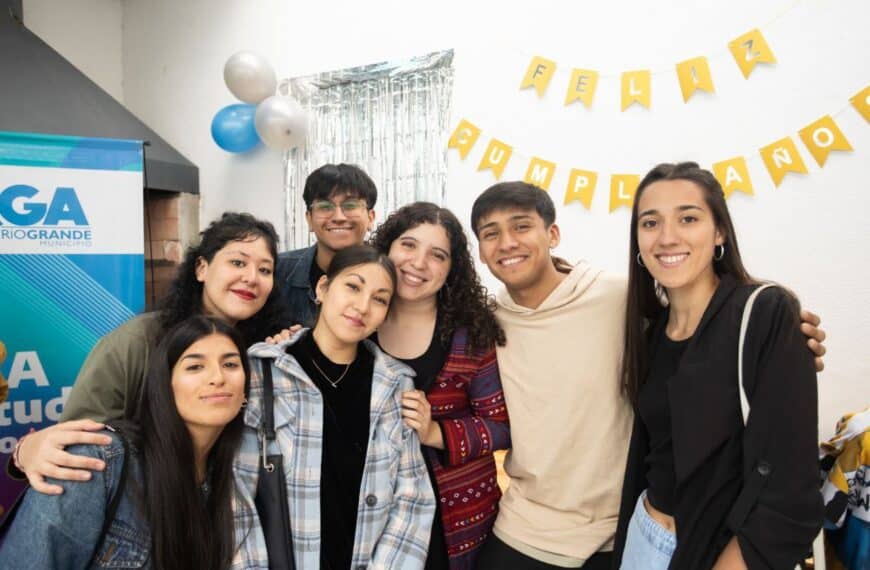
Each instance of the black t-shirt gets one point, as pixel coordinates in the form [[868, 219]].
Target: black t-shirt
[[655, 412], [346, 402]]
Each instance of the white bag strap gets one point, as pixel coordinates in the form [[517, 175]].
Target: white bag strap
[[819, 542], [744, 325]]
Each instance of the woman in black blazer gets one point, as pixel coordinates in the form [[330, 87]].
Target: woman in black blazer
[[701, 491]]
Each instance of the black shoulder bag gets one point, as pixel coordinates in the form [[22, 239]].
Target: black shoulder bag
[[111, 508], [271, 498]]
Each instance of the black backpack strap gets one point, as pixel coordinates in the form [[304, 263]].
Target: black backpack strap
[[268, 419], [112, 507]]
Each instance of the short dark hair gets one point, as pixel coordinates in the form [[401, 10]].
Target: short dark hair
[[509, 195], [343, 179]]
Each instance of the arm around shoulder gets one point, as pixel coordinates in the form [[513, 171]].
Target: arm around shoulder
[[486, 428]]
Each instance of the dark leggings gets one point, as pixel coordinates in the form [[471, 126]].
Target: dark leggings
[[496, 555]]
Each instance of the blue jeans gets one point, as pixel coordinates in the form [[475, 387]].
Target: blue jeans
[[648, 545]]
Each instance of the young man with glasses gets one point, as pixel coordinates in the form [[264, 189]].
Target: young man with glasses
[[339, 201]]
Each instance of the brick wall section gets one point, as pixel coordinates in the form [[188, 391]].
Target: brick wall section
[[171, 223]]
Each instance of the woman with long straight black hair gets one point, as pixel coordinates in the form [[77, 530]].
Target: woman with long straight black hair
[[168, 470]]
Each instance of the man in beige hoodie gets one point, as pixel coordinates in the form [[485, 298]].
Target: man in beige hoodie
[[570, 425]]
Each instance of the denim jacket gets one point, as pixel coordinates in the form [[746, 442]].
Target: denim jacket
[[61, 531], [293, 276], [396, 501]]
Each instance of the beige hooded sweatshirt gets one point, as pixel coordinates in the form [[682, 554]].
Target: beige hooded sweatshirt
[[570, 424]]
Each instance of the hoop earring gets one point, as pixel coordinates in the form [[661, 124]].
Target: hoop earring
[[244, 403], [639, 260], [718, 254]]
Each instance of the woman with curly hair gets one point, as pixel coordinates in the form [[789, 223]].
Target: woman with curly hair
[[441, 323], [228, 276]]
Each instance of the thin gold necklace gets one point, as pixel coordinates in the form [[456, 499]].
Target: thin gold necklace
[[332, 383]]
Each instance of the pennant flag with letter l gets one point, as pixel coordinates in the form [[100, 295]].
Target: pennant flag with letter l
[[622, 190]]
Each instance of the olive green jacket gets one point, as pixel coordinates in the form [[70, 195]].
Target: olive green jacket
[[109, 380]]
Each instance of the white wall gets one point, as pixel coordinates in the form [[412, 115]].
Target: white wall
[[811, 233], [86, 32]]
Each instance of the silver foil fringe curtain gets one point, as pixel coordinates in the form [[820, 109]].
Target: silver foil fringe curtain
[[391, 119]]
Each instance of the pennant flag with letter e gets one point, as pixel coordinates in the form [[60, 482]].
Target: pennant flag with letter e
[[582, 87], [733, 175], [581, 186], [750, 49], [539, 74], [635, 88], [861, 102], [823, 136], [781, 158], [463, 138], [496, 157], [622, 189], [694, 74], [540, 172]]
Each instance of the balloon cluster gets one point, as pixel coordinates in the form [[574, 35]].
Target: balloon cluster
[[277, 120]]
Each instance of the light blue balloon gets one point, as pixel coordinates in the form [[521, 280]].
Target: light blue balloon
[[233, 128]]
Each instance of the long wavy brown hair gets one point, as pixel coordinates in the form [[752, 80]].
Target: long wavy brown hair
[[462, 301]]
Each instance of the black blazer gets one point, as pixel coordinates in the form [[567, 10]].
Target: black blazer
[[760, 483]]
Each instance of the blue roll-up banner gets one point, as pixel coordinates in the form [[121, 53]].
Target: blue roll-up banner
[[72, 269]]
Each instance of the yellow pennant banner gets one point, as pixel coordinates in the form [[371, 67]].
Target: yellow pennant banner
[[694, 74], [539, 74], [781, 158], [749, 50], [463, 138], [861, 102], [733, 175], [581, 186], [622, 189], [582, 87], [636, 88], [823, 136], [496, 157], [540, 172]]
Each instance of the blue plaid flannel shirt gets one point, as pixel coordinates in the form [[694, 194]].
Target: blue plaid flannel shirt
[[396, 503]]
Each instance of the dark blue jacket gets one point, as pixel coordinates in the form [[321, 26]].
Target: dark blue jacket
[[293, 277]]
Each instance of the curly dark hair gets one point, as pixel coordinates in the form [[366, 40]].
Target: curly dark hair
[[185, 295], [462, 301]]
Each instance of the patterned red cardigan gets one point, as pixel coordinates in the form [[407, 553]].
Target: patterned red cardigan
[[467, 401]]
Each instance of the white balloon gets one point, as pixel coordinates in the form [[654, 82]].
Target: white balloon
[[250, 77], [281, 122]]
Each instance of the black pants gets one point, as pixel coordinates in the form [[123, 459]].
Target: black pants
[[496, 555]]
